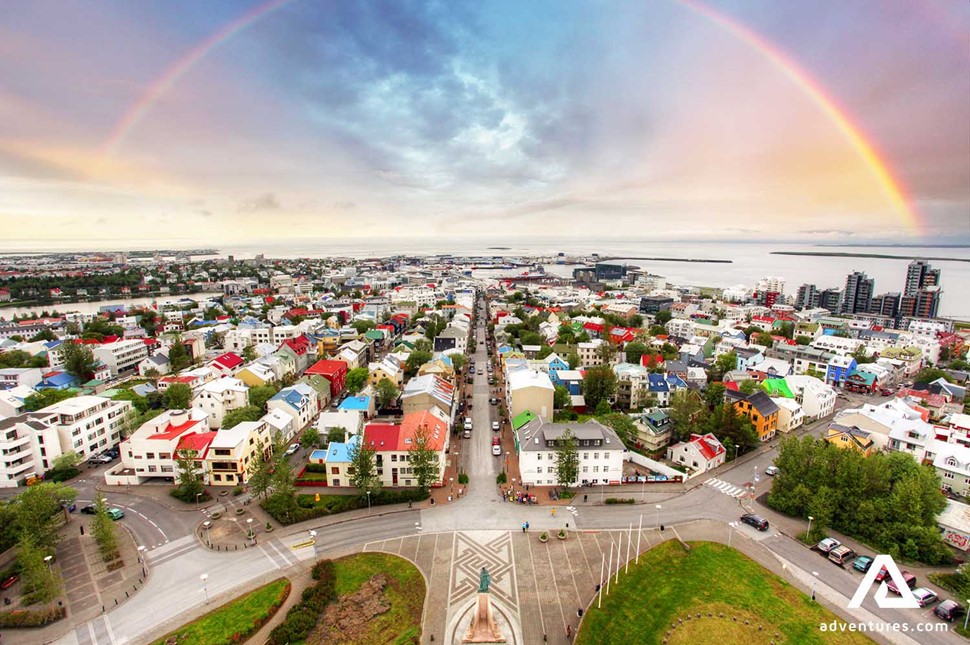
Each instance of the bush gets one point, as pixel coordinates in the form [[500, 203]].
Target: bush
[[501, 479], [58, 475], [31, 618], [316, 468], [237, 491], [307, 508], [620, 500], [188, 496], [302, 617], [463, 479]]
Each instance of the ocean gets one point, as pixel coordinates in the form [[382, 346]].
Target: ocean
[[749, 261]]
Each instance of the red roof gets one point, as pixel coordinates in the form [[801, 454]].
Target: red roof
[[382, 436], [173, 431], [731, 385], [707, 445], [437, 429], [593, 327], [177, 379], [197, 441], [648, 360], [327, 367], [229, 360]]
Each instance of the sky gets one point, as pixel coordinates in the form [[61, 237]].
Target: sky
[[240, 121]]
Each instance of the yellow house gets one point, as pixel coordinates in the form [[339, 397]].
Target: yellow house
[[850, 438], [440, 367], [763, 413], [256, 375]]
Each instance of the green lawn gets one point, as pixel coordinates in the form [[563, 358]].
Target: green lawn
[[670, 583], [235, 620], [401, 625]]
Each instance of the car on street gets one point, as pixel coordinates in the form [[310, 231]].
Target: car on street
[[495, 426], [840, 555], [98, 460], [493, 401], [114, 453], [292, 449], [826, 545], [90, 509], [9, 582], [771, 470], [862, 563], [949, 610], [496, 447], [925, 596], [115, 513], [756, 521], [881, 575], [909, 578], [471, 370]]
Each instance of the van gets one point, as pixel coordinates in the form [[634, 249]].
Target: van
[[841, 555], [468, 424]]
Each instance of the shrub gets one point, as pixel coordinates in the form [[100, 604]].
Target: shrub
[[31, 618], [620, 500], [463, 479], [316, 468], [237, 491], [302, 617], [322, 570], [188, 496], [501, 479]]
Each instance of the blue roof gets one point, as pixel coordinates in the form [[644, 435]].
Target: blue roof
[[356, 403], [339, 452], [658, 383]]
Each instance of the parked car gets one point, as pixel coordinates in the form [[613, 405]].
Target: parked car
[[910, 582], [925, 596], [471, 370], [840, 555], [826, 545], [756, 521], [771, 470], [493, 401], [863, 563], [9, 582], [70, 506], [115, 513], [292, 449], [468, 423], [98, 460], [949, 610], [886, 392], [495, 426], [883, 572], [114, 453], [496, 447], [90, 509]]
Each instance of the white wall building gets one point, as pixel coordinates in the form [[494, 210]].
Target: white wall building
[[599, 448], [219, 397], [121, 356]]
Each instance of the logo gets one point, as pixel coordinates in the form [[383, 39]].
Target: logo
[[906, 598]]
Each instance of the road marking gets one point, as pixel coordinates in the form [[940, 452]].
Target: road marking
[[136, 512], [727, 488], [107, 625]]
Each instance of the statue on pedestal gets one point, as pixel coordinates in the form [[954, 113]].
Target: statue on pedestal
[[483, 628]]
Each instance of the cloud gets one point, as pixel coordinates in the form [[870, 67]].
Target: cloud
[[345, 205], [260, 203]]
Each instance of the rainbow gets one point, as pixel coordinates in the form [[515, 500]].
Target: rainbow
[[173, 74], [891, 186]]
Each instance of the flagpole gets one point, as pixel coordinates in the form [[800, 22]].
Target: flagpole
[[639, 534]]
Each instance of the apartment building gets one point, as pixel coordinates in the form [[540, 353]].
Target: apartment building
[[84, 424], [122, 356], [232, 453], [599, 449], [152, 451], [219, 397], [299, 401]]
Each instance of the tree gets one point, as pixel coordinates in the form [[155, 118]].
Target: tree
[[79, 361], [178, 356], [861, 357], [662, 317], [260, 474], [39, 584], [636, 321], [714, 396], [178, 396], [930, 374], [763, 338], [188, 475], [567, 458], [573, 359], [623, 425], [634, 350], [43, 335], [722, 365], [599, 384], [423, 459], [104, 530], [356, 379], [687, 412], [46, 398], [336, 434], [363, 467], [387, 392], [415, 360], [561, 399], [748, 387], [423, 345], [248, 353], [803, 340], [282, 470], [259, 395], [38, 511], [310, 438], [458, 361], [240, 415]]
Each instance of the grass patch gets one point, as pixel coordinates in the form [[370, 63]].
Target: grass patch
[[234, 621], [670, 583], [406, 590]]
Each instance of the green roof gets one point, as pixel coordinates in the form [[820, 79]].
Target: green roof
[[777, 387], [374, 334], [522, 419], [868, 377]]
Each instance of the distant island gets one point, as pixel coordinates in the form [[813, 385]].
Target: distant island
[[499, 248], [885, 256]]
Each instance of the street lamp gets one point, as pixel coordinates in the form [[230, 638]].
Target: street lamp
[[809, 532], [197, 496], [452, 481], [968, 616], [48, 560], [251, 534], [205, 589], [658, 515], [814, 580], [368, 502]]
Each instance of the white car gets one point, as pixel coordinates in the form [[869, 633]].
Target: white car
[[496, 450], [292, 449], [495, 426], [772, 470]]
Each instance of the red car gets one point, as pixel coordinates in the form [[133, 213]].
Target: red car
[[9, 582]]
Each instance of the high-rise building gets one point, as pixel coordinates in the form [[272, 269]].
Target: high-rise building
[[831, 299], [808, 297], [925, 303], [858, 293], [919, 274], [770, 284], [886, 304]]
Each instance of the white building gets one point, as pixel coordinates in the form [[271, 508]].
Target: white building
[[529, 390], [700, 454], [300, 402], [599, 449], [816, 398], [790, 415], [122, 356], [152, 450], [219, 397], [232, 453], [84, 424]]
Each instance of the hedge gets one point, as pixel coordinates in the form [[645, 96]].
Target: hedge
[[620, 500], [31, 618], [316, 468], [306, 507], [302, 617]]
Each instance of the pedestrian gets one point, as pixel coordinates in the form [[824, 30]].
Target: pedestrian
[[523, 527], [409, 503], [526, 526], [585, 497], [569, 631], [553, 511]]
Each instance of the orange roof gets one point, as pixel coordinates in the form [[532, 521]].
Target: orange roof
[[172, 432], [437, 429]]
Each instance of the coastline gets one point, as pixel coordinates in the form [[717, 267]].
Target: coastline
[[882, 256]]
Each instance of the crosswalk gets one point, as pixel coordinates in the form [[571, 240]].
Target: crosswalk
[[727, 488]]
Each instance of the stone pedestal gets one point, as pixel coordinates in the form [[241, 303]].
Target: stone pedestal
[[483, 628]]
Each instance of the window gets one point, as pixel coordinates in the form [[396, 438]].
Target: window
[[149, 455], [585, 469], [596, 455], [539, 456], [539, 470], [334, 470], [585, 455], [596, 469], [393, 457]]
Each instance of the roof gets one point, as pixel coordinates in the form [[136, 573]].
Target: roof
[[327, 367], [707, 445], [197, 441], [535, 434], [777, 387], [171, 432], [359, 403], [528, 378], [521, 419], [229, 360], [339, 452], [763, 404], [382, 436], [437, 429]]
